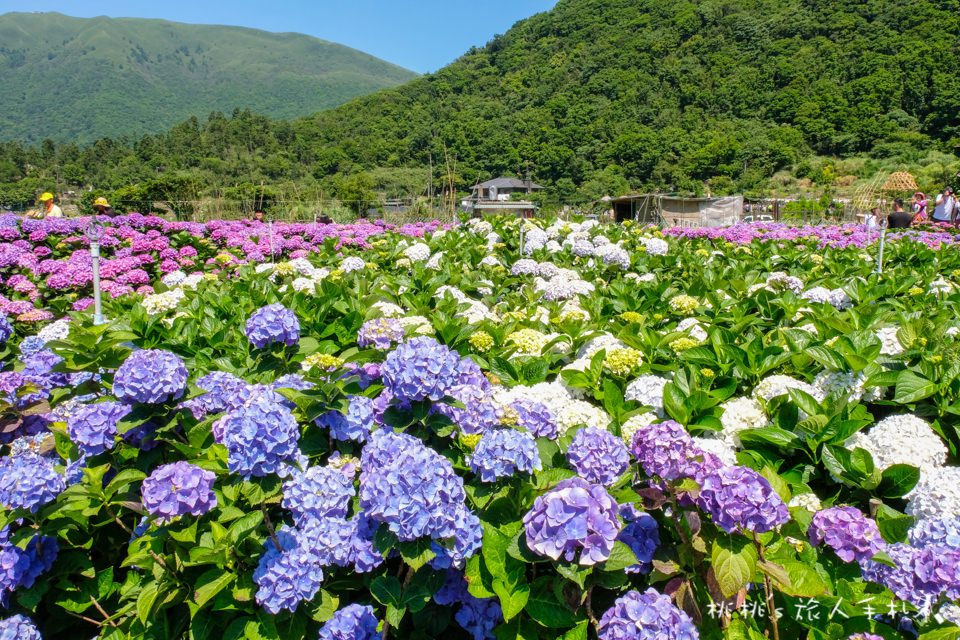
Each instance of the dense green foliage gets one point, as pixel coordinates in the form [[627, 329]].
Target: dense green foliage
[[79, 79], [600, 96]]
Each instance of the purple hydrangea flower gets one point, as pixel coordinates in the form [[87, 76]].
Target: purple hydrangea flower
[[18, 628], [921, 574], [467, 540], [273, 323], [357, 423], [641, 534], [353, 622], [478, 616], [740, 498], [21, 567], [222, 389], [865, 636], [598, 455], [319, 492], [286, 576], [469, 372], [410, 487], [93, 427], [536, 418], [503, 452], [31, 345], [573, 516], [942, 531], [845, 530], [292, 381], [173, 490], [328, 540], [150, 376], [365, 555], [260, 436], [382, 333], [6, 329], [646, 616], [665, 450], [420, 369], [28, 482], [479, 414]]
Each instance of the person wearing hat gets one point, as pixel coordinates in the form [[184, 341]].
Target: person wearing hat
[[102, 208], [946, 207], [47, 208]]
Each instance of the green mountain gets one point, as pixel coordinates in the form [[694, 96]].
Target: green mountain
[[81, 79], [599, 97]]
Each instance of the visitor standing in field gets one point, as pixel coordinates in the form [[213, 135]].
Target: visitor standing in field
[[919, 207], [899, 219], [102, 208], [945, 209], [47, 208], [872, 219]]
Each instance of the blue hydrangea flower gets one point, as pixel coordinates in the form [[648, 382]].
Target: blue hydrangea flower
[[468, 538], [598, 455], [261, 436], [222, 388], [646, 616], [288, 576], [38, 370], [150, 376], [318, 492], [845, 530], [479, 616], [21, 567], [292, 381], [738, 498], [273, 323], [93, 427], [353, 622], [73, 473], [410, 487], [6, 329], [921, 574], [328, 540], [368, 373], [420, 369], [642, 535], [357, 423], [469, 372], [479, 415], [365, 555], [28, 482], [31, 345], [536, 418], [173, 490], [18, 628], [381, 333], [944, 531], [503, 452], [573, 516], [665, 450]]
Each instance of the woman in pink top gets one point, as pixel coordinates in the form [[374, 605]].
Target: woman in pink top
[[919, 207]]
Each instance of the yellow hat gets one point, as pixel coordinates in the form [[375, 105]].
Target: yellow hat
[[46, 196], [102, 201]]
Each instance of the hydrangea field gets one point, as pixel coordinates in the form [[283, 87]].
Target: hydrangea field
[[502, 429]]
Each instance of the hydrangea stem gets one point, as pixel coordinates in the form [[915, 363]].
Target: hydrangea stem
[[768, 592], [273, 532]]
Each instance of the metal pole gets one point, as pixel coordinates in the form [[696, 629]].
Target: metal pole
[[97, 304], [883, 236], [522, 225]]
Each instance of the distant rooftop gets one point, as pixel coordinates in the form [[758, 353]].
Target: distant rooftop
[[507, 183]]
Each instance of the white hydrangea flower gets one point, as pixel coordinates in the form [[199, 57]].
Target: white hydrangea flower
[[780, 281], [940, 286], [809, 328], [719, 448], [655, 246], [490, 261], [162, 302], [901, 439], [740, 414], [693, 328], [480, 226], [302, 266], [388, 309], [808, 501], [828, 382], [648, 391], [634, 424], [352, 263], [835, 297], [547, 270], [890, 343], [169, 321], [953, 332], [58, 330], [174, 278], [191, 282], [603, 341], [434, 261], [476, 312], [937, 494], [457, 294], [777, 385], [308, 285], [553, 246], [418, 252], [948, 612], [419, 324], [261, 268]]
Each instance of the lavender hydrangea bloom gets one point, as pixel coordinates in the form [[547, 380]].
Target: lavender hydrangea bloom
[[6, 329], [382, 333], [365, 555], [318, 492], [28, 482], [469, 372], [598, 455], [646, 616], [410, 487], [503, 452], [921, 574], [420, 369], [665, 450], [222, 388], [292, 381], [942, 531], [173, 490], [740, 498], [273, 323], [18, 628], [845, 530], [31, 345], [642, 535], [865, 636], [574, 515], [21, 567], [353, 622], [286, 576], [328, 540], [150, 376], [479, 616], [479, 415], [536, 418], [467, 540], [261, 436], [357, 423], [93, 427]]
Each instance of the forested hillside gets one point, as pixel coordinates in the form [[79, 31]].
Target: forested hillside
[[599, 96], [78, 79]]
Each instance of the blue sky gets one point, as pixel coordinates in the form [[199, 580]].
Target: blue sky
[[422, 35]]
